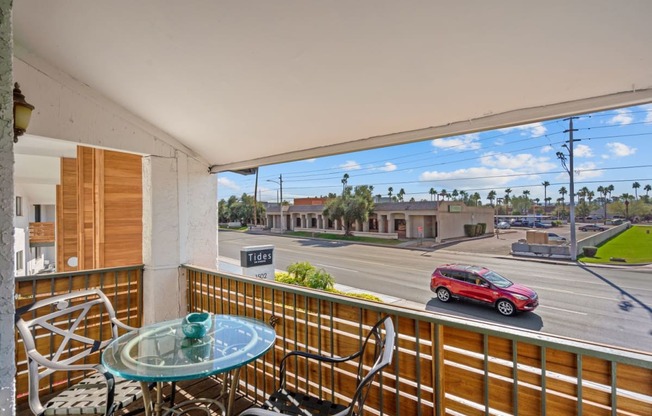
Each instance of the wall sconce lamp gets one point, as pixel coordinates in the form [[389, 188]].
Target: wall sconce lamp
[[22, 113]]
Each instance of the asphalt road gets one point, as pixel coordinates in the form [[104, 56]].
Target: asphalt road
[[611, 306]]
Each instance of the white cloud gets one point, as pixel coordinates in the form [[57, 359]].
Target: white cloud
[[585, 171], [648, 115], [547, 149], [388, 167], [618, 149], [533, 130], [478, 178], [523, 161], [582, 150], [228, 183], [310, 160], [350, 165], [622, 118], [459, 143]]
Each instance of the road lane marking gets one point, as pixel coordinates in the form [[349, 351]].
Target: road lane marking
[[570, 292], [335, 267], [563, 310]]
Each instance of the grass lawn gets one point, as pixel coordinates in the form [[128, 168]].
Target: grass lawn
[[327, 236], [633, 245]]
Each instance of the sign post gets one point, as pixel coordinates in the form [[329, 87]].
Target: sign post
[[258, 261]]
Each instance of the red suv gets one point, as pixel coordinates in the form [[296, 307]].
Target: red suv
[[481, 284]]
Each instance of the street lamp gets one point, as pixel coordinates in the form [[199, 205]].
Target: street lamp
[[280, 184]]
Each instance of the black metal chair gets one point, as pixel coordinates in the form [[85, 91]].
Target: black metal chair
[[51, 330], [380, 341]]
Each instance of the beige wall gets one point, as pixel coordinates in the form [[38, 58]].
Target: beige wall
[[451, 224]]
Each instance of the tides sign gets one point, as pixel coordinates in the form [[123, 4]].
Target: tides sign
[[258, 261]]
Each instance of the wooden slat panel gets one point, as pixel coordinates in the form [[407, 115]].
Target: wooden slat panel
[[120, 190], [66, 227]]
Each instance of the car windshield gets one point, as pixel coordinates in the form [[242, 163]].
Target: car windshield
[[497, 279]]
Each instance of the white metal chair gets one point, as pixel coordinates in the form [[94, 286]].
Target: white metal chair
[[60, 334], [285, 401]]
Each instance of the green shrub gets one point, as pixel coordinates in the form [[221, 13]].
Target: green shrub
[[307, 275], [590, 251], [319, 280], [483, 228], [469, 230]]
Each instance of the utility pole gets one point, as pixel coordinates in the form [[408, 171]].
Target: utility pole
[[571, 174], [255, 201]]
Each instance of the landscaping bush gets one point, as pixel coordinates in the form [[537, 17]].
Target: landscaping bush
[[590, 251], [469, 230], [483, 228], [307, 275]]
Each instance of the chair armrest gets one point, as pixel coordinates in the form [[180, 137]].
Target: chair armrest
[[255, 411], [321, 358], [122, 325], [53, 365]]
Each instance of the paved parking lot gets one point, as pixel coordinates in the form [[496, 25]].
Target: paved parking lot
[[503, 244]]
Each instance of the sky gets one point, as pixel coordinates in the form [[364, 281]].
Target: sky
[[610, 148]]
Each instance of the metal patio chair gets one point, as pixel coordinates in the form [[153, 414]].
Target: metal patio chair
[[285, 401], [60, 334]]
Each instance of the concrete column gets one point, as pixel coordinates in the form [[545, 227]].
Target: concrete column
[[408, 226], [336, 224], [320, 222], [7, 282], [304, 221], [381, 223], [179, 227], [390, 223], [365, 226]]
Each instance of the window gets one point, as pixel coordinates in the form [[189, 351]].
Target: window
[[20, 259], [19, 206]]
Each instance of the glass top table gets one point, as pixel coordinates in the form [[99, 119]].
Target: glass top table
[[161, 352]]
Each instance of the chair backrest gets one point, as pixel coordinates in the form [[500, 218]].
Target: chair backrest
[[64, 333], [383, 336]]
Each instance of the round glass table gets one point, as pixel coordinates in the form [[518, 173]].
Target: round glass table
[[162, 353]]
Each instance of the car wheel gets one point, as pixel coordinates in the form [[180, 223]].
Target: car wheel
[[443, 294], [505, 307]]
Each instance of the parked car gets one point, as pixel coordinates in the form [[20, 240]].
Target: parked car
[[592, 227], [539, 224], [555, 237], [519, 223], [503, 225], [482, 285]]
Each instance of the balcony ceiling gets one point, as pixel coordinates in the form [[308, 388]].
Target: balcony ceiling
[[246, 83]]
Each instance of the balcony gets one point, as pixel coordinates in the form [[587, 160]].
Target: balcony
[[443, 365], [41, 234]]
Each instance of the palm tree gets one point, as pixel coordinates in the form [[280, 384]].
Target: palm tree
[[647, 189], [390, 190], [491, 196], [400, 194], [506, 199], [526, 194], [443, 194], [454, 194], [604, 190], [563, 191], [636, 185], [432, 193], [476, 198], [345, 180], [545, 184]]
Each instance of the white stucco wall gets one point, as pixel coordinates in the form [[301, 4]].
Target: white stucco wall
[[7, 348]]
